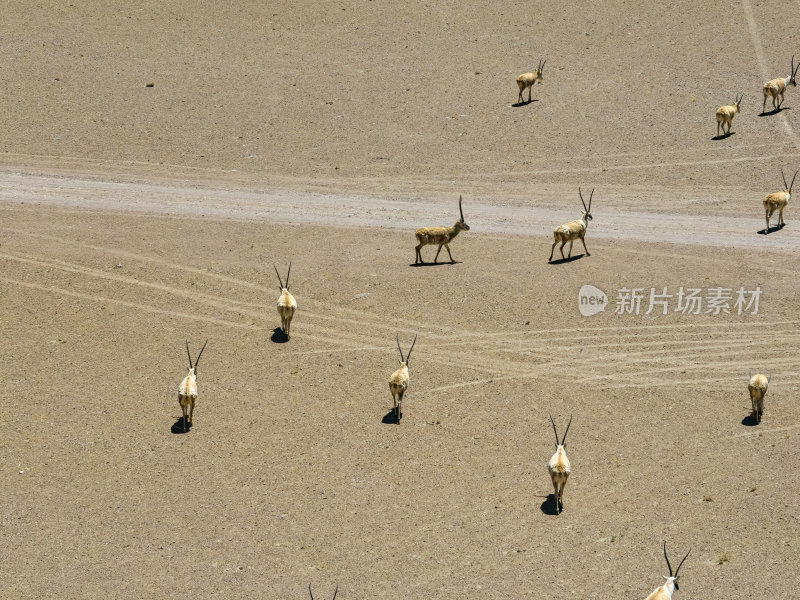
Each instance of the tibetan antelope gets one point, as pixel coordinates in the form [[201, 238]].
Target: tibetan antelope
[[528, 80], [664, 592], [441, 236], [776, 87], [559, 467], [758, 389], [286, 302], [777, 201], [725, 114], [310, 593], [398, 382], [569, 232], [187, 392]]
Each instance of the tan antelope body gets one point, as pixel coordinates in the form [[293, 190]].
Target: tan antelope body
[[778, 201], [664, 592], [442, 236], [757, 386], [187, 391], [528, 80], [775, 88], [725, 115], [559, 467], [286, 302], [398, 382], [574, 230]]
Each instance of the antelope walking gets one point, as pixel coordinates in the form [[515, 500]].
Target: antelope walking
[[559, 467], [778, 201], [725, 114], [758, 389], [286, 302], [569, 232], [187, 391], [776, 87], [664, 592], [310, 593], [398, 382], [441, 236], [527, 80]]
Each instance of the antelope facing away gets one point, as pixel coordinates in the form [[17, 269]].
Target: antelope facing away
[[310, 593], [569, 232], [286, 302], [778, 201], [187, 392], [559, 467], [725, 114], [776, 87], [758, 389], [665, 591], [398, 382], [527, 80], [441, 236]]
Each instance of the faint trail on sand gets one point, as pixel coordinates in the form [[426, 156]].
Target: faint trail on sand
[[762, 63]]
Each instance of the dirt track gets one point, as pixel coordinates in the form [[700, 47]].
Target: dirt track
[[133, 218]]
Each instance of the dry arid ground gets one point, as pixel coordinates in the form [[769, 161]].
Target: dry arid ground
[[157, 158]]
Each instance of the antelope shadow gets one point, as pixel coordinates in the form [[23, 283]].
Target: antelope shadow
[[524, 103], [774, 111], [561, 261], [723, 136], [433, 264], [177, 427], [278, 336], [548, 507], [775, 228], [750, 420]]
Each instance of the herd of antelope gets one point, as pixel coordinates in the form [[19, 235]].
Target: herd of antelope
[[559, 465]]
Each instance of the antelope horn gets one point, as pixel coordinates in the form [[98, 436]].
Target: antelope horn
[[785, 186], [336, 591], [279, 276], [669, 566], [564, 439], [287, 274], [459, 207], [590, 201], [679, 566], [582, 201], [794, 71], [402, 358], [554, 428], [410, 349], [197, 360], [793, 178], [310, 593], [189, 353]]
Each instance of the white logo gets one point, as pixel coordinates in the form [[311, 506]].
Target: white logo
[[591, 300]]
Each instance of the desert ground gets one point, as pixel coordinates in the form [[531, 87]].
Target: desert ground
[[157, 160]]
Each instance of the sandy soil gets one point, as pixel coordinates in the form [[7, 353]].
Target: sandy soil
[[135, 217]]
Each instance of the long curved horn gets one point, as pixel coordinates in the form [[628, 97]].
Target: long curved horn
[[679, 566], [402, 358], [287, 274], [785, 186], [459, 207], [197, 360], [279, 276], [310, 593], [582, 202], [189, 353], [564, 439], [554, 428], [794, 71], [590, 201], [669, 566], [336, 591], [410, 349], [793, 178]]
